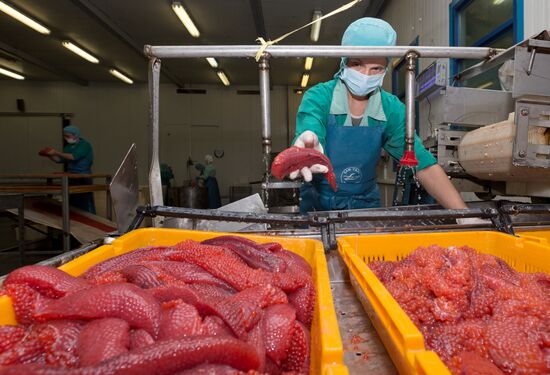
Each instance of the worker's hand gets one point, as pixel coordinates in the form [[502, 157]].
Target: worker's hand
[[473, 221], [309, 139]]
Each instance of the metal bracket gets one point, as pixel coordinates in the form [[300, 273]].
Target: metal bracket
[[503, 222], [531, 112]]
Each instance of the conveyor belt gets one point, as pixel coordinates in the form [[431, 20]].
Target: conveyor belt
[[364, 353]]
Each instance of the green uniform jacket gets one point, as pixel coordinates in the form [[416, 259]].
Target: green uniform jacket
[[83, 157], [331, 98]]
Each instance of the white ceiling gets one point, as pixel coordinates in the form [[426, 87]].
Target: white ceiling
[[116, 30]]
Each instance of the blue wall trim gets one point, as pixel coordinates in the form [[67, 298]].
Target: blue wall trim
[[495, 34], [519, 21], [516, 24]]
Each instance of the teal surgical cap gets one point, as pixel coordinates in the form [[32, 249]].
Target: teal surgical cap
[[72, 130], [368, 31]]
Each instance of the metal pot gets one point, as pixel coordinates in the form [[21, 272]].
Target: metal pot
[[193, 197]]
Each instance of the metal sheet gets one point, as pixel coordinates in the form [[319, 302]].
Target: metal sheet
[[470, 107], [251, 204], [536, 83], [125, 190], [155, 184], [282, 185]]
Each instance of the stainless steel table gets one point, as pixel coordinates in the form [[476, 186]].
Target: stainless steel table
[[62, 188]]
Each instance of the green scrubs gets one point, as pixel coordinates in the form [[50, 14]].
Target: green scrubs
[[82, 164], [209, 171], [330, 98], [83, 157]]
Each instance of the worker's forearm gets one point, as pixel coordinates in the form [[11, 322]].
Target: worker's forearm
[[65, 155], [437, 184], [55, 158]]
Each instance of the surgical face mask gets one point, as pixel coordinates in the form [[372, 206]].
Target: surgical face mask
[[70, 140], [361, 84]]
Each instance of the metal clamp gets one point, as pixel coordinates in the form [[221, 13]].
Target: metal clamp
[[531, 62]]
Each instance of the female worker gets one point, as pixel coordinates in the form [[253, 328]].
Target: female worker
[[350, 119], [79, 157]]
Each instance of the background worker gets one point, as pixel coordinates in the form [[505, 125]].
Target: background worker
[[78, 156], [208, 175]]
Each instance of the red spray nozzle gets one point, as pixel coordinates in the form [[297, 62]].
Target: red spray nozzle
[[409, 159]]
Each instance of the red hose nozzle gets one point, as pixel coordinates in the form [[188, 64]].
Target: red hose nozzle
[[409, 159]]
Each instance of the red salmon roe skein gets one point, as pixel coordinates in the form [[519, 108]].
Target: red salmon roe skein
[[295, 158], [473, 309]]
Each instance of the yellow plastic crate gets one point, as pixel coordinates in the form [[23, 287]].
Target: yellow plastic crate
[[401, 338], [541, 235], [327, 354]]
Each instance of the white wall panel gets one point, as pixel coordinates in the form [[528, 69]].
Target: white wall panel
[[536, 17], [429, 21], [113, 116]]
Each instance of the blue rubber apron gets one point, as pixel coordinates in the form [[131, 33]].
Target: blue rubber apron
[[353, 152], [214, 200]]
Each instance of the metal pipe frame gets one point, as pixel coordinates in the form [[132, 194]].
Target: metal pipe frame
[[319, 51], [155, 53], [266, 109], [410, 94], [66, 213]]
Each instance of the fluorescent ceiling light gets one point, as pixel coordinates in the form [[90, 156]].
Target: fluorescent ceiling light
[[316, 27], [497, 2], [11, 74], [223, 77], [305, 78], [24, 19], [121, 76], [309, 63], [185, 19], [79, 51], [212, 61]]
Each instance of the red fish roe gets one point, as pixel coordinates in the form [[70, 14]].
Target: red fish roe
[[473, 309], [187, 309]]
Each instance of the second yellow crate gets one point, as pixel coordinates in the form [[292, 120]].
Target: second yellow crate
[[400, 336]]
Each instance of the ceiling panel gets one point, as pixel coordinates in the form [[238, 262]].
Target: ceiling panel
[[221, 22]]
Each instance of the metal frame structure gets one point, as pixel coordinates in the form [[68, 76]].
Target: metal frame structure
[[156, 53], [327, 225]]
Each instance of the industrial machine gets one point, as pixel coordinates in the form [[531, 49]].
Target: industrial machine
[[490, 141]]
